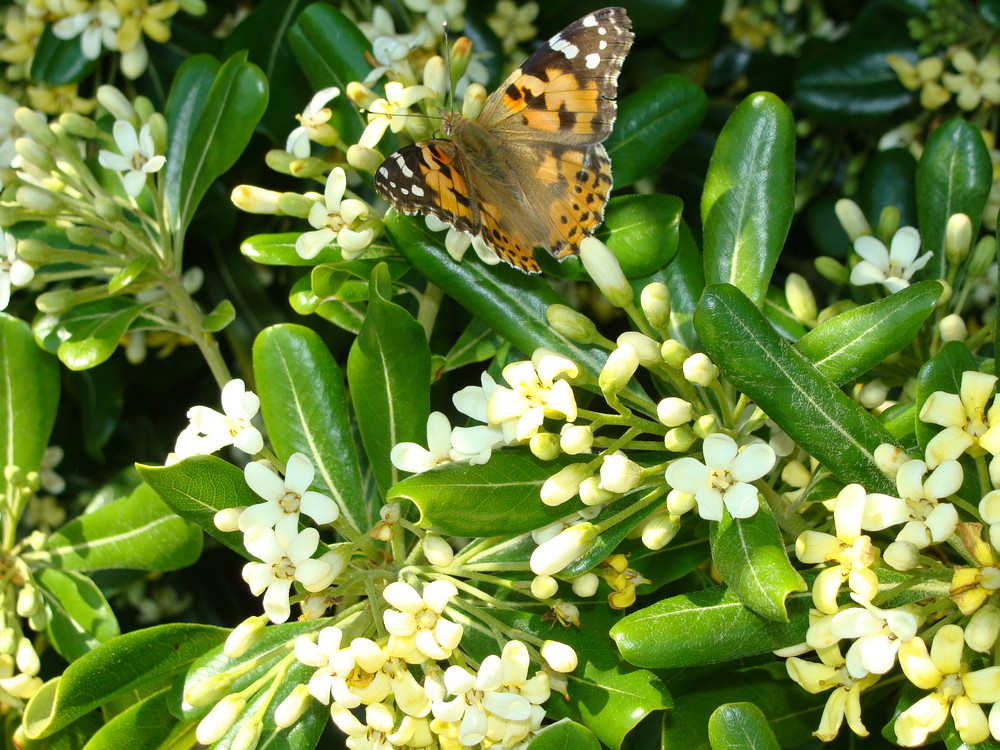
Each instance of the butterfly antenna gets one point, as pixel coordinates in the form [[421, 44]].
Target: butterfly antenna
[[447, 65]]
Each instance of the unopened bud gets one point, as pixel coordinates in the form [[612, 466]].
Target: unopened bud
[[436, 76], [796, 474], [158, 129], [34, 153], [544, 587], [659, 530], [873, 393], [957, 238], [461, 56], [244, 635], [800, 298], [571, 324], [552, 556], [364, 158], [952, 328], [698, 369], [586, 585], [679, 439], [544, 446], [673, 411], [674, 353], [901, 556], [832, 269], [473, 101], [81, 235], [279, 160], [209, 690], [107, 209], [294, 204], [255, 200], [983, 255], [559, 656], [851, 218], [679, 503], [56, 302], [619, 473], [292, 708], [220, 719], [888, 223], [706, 425], [437, 550], [655, 302], [606, 272], [593, 495], [36, 199], [28, 601], [144, 108], [618, 370], [647, 349], [34, 125], [34, 251], [248, 735], [117, 104], [983, 628], [576, 439], [564, 484]]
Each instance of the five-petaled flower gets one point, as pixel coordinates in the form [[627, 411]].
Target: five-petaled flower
[[137, 158], [892, 268], [287, 497], [968, 426]]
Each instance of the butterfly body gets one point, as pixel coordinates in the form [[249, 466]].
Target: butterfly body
[[530, 170]]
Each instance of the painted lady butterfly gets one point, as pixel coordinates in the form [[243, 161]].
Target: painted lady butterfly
[[530, 170]]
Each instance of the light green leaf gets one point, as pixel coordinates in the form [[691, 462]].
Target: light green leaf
[[564, 735], [91, 331], [80, 617], [734, 726]]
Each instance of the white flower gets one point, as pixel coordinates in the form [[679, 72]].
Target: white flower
[[439, 12], [879, 633], [10, 131], [47, 474], [534, 393], [314, 123], [286, 556], [14, 271], [210, 430], [393, 111], [97, 27], [415, 458], [333, 219], [892, 268], [619, 473], [417, 631], [138, 157], [286, 497], [724, 478]]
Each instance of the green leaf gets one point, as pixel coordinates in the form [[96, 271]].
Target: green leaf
[[564, 735], [217, 137], [848, 345], [685, 278], [509, 301], [651, 124], [59, 61], [220, 317], [128, 274], [740, 725], [643, 231], [137, 532], [850, 82], [751, 559], [389, 371], [29, 397], [706, 627], [954, 176], [304, 405], [331, 51], [146, 725], [495, 498], [790, 390], [890, 179], [126, 663], [749, 195], [477, 343], [80, 617], [92, 330], [72, 737], [197, 487], [942, 372]]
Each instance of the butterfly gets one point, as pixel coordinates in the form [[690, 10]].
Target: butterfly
[[530, 170]]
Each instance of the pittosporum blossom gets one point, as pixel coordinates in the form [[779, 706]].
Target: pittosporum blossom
[[314, 124], [287, 497], [209, 430], [894, 267], [137, 158]]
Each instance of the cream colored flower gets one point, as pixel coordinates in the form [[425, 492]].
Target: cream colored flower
[[975, 81], [845, 698], [969, 426], [536, 391], [337, 219]]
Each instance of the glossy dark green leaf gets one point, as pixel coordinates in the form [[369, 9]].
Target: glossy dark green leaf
[[643, 231], [651, 124], [304, 404], [125, 663], [750, 555], [850, 82], [564, 735], [331, 51], [749, 195], [263, 32], [228, 115], [128, 274], [498, 497], [954, 175], [100, 394], [29, 398], [509, 301], [477, 343], [848, 345], [779, 313], [706, 627], [685, 278], [137, 532], [92, 330], [59, 61], [80, 617], [942, 372], [890, 179], [790, 390], [733, 726], [389, 371], [197, 487], [691, 35]]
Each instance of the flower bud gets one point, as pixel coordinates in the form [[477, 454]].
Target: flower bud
[[314, 606], [436, 76], [34, 153], [293, 204], [698, 369], [34, 125], [654, 299], [586, 585], [576, 439], [873, 393], [983, 628], [957, 238], [220, 719], [983, 255], [26, 657], [679, 439], [544, 445], [796, 474], [559, 656], [473, 101], [571, 324], [107, 209], [851, 218], [158, 129], [143, 108], [544, 587], [705, 425], [674, 353], [228, 519], [901, 555], [437, 550], [83, 236], [291, 709], [952, 328], [360, 94], [888, 223], [247, 736], [208, 690], [673, 411], [28, 601], [619, 473], [55, 303], [800, 298], [679, 503], [364, 158], [461, 56], [552, 556], [618, 370], [604, 269], [832, 269], [243, 636], [35, 251], [592, 495], [117, 104], [36, 199], [659, 529], [279, 160], [564, 484]]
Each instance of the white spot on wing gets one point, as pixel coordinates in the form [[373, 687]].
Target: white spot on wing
[[593, 60], [602, 45], [589, 20], [418, 191], [602, 31]]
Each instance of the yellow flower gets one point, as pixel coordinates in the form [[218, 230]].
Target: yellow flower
[[622, 580], [972, 586], [55, 100], [969, 427], [976, 79], [845, 698], [925, 75], [21, 32]]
